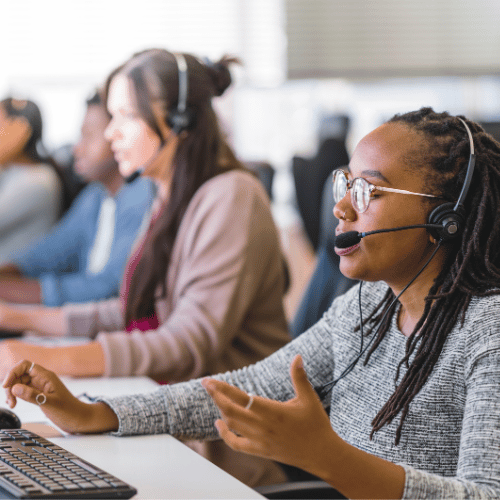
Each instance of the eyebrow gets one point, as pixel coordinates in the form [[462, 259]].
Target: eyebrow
[[371, 173], [376, 174]]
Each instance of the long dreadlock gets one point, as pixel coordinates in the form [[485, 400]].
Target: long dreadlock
[[472, 265]]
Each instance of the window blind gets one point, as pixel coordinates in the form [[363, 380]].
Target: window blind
[[360, 38]]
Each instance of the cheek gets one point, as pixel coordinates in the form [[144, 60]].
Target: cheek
[[132, 135], [102, 149]]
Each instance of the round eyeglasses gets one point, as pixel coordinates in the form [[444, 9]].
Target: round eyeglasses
[[361, 190]]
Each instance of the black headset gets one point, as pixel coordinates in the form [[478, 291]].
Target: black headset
[[451, 216], [181, 118]]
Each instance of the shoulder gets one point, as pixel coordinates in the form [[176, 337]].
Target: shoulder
[[345, 308], [89, 198], [237, 189], [142, 187], [41, 179], [233, 182], [232, 206], [43, 172], [481, 326], [91, 191]]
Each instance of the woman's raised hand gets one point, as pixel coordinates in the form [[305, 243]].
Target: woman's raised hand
[[297, 432], [36, 385]]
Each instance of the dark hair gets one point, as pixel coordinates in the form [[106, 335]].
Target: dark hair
[[34, 148], [472, 264], [202, 154], [95, 99], [31, 112]]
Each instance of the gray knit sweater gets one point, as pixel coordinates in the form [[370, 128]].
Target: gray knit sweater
[[450, 443]]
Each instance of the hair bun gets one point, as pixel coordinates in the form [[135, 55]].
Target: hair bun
[[219, 72]]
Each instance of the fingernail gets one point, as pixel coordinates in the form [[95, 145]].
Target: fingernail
[[207, 384], [300, 363]]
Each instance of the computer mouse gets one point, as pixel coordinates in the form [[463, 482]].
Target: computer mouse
[[9, 420]]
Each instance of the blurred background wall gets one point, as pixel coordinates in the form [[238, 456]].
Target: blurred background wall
[[304, 60]]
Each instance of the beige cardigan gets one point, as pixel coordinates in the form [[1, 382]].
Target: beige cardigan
[[223, 309], [224, 303]]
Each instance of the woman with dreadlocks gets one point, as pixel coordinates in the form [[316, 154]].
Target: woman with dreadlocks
[[409, 363]]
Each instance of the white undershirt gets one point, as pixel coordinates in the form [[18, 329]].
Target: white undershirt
[[101, 249]]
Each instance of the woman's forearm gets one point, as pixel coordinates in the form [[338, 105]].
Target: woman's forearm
[[48, 321], [83, 360], [20, 290]]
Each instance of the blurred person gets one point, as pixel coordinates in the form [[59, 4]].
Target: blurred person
[[31, 187], [203, 292], [84, 256]]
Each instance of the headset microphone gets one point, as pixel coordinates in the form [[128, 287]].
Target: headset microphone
[[351, 238], [133, 176]]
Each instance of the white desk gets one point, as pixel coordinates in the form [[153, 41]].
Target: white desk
[[158, 466]]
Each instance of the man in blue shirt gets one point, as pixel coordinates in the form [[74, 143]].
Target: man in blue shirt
[[83, 258]]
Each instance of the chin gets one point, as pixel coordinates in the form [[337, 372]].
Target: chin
[[126, 168], [354, 272]]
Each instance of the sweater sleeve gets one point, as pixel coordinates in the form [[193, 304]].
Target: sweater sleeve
[[88, 318], [478, 468], [227, 247], [186, 411], [59, 251]]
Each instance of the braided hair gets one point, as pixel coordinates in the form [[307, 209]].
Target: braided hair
[[472, 264]]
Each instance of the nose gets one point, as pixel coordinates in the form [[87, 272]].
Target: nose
[[338, 212], [343, 210]]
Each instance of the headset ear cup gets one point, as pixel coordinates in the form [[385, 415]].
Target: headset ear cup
[[180, 121], [450, 220]]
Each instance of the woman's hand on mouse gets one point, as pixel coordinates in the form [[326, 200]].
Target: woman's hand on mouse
[[27, 381]]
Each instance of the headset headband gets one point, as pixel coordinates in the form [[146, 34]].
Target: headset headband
[[470, 170], [183, 82]]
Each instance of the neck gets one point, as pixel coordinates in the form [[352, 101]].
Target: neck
[[163, 190], [113, 182], [413, 298]]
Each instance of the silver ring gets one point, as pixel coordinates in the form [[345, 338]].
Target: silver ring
[[250, 402], [40, 403], [30, 368]]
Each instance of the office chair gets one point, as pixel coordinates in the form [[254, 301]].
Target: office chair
[[265, 173], [327, 282], [300, 489], [310, 176]]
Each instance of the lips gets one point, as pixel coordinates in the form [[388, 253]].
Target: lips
[[346, 251]]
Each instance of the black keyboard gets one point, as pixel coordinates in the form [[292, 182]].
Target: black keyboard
[[33, 467]]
